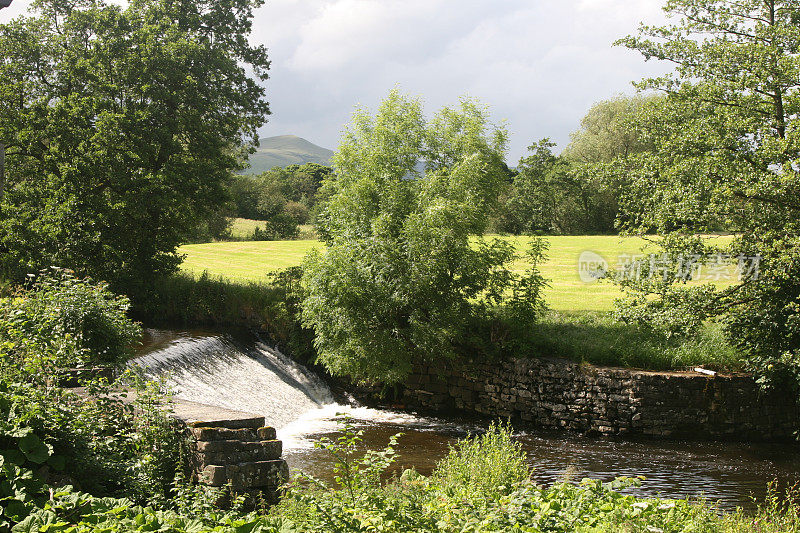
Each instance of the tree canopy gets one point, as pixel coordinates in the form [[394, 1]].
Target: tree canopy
[[121, 127], [726, 150], [407, 275], [606, 131]]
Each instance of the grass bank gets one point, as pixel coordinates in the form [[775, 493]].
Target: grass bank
[[272, 305]]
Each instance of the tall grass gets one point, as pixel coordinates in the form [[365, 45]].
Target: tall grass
[[271, 306], [598, 339]]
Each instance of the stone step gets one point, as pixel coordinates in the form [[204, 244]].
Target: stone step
[[239, 452], [200, 415], [235, 445], [231, 423], [245, 476], [208, 434]]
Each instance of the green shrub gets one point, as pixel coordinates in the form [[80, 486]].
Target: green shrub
[[491, 464], [278, 227], [62, 321], [101, 443]]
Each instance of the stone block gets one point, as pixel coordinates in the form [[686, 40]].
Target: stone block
[[246, 452], [268, 474]]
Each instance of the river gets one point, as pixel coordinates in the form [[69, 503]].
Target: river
[[237, 371]]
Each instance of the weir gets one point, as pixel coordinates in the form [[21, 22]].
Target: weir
[[232, 395], [240, 376]]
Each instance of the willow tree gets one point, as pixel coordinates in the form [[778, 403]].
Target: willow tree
[[727, 148], [407, 276], [120, 127]]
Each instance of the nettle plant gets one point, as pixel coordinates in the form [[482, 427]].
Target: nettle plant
[[63, 321]]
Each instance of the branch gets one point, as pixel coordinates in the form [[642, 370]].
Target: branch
[[767, 200]]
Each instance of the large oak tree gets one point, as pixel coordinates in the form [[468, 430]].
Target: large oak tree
[[120, 127]]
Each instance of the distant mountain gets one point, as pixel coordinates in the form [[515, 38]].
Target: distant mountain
[[285, 150]]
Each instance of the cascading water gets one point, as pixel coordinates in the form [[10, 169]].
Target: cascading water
[[246, 375], [220, 371]]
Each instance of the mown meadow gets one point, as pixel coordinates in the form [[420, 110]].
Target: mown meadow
[[253, 261]]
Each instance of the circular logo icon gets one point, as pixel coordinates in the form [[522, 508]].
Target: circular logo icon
[[591, 267]]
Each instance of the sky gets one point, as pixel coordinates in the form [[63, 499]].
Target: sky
[[538, 64]]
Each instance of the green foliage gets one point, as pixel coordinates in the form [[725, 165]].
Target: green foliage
[[608, 132], [597, 338], [490, 464], [21, 451], [550, 194], [69, 511], [98, 442], [282, 197], [726, 155], [406, 271], [482, 486], [63, 321], [115, 158]]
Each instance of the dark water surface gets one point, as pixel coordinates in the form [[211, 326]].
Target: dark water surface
[[218, 369]]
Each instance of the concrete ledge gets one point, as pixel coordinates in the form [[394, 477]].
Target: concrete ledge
[[207, 416]]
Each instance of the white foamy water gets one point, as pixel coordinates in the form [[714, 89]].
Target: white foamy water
[[252, 377], [299, 435], [218, 371]]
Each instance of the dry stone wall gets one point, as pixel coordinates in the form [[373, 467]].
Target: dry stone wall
[[610, 401]]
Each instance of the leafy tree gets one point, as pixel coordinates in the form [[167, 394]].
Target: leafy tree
[[407, 275], [607, 131], [282, 197], [244, 193], [726, 148], [65, 322], [297, 183], [121, 126], [551, 194]]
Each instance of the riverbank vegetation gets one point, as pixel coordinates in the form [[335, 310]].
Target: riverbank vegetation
[[93, 462], [272, 306]]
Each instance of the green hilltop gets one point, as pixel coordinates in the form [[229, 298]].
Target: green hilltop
[[285, 150]]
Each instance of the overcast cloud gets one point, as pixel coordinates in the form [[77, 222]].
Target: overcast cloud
[[539, 64]]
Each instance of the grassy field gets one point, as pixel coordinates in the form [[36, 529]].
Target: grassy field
[[242, 229], [574, 329], [251, 261]]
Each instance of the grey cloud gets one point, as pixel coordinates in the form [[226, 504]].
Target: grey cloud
[[539, 64]]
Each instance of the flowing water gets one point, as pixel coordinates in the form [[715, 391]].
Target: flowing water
[[241, 373]]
